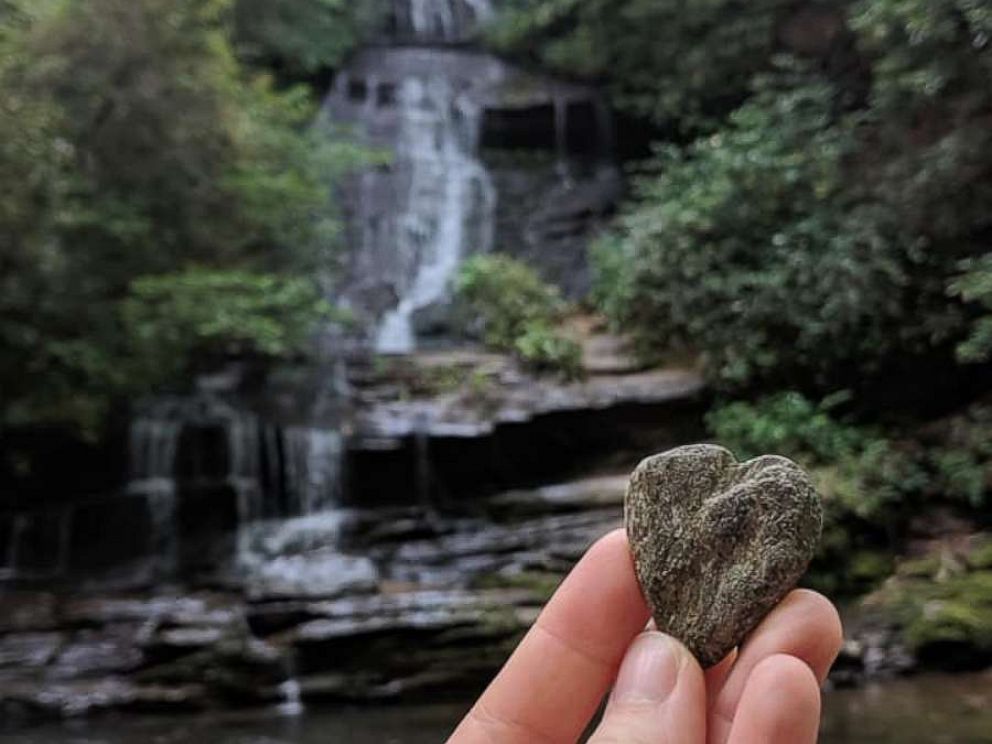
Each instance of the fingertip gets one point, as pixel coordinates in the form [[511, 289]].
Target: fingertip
[[613, 543], [781, 704], [792, 676], [823, 629], [659, 692], [717, 675], [805, 626]]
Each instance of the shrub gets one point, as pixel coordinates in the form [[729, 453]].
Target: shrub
[[755, 248], [175, 319], [959, 452], [503, 296], [540, 348], [506, 303], [975, 286], [856, 468], [943, 610]]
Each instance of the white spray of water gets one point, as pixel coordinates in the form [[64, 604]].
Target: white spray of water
[[448, 188]]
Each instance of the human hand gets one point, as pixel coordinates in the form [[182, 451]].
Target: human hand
[[591, 637]]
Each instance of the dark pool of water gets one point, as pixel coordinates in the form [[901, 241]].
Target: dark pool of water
[[923, 710]]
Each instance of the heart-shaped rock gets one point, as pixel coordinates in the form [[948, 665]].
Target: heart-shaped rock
[[717, 543]]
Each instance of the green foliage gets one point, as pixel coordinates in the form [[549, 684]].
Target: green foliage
[[504, 296], [926, 51], [668, 60], [300, 37], [857, 469], [759, 247], [959, 452], [508, 305], [543, 349], [942, 607], [957, 612], [975, 285], [861, 466], [137, 144], [174, 320], [786, 423]]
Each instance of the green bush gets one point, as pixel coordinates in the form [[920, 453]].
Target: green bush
[[511, 309], [856, 468], [754, 247], [975, 286], [542, 349], [503, 296], [175, 320], [301, 37], [132, 144], [959, 452], [668, 60], [786, 423]]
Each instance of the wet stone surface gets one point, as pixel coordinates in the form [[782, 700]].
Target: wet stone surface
[[717, 543]]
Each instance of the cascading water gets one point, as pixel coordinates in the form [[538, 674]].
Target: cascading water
[[447, 188], [153, 448], [438, 20], [437, 104], [182, 449], [313, 468], [435, 202], [153, 445]]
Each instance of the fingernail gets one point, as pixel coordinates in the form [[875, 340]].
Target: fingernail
[[649, 670]]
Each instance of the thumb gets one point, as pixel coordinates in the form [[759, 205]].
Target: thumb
[[659, 696]]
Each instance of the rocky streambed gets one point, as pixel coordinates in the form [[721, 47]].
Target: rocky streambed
[[430, 527], [390, 604], [399, 605]]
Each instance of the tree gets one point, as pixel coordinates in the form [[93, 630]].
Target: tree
[[810, 241], [675, 62], [138, 146], [300, 37]]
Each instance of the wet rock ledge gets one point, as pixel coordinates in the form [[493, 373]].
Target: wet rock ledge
[[408, 603]]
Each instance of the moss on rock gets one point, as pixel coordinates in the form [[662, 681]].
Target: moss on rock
[[945, 621]]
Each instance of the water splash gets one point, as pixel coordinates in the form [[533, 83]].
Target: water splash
[[448, 188], [440, 20], [153, 443], [292, 699], [314, 458]]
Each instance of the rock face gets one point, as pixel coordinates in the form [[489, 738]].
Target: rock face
[[387, 605], [484, 156], [717, 543]]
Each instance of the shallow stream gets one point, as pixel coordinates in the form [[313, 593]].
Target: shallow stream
[[922, 710]]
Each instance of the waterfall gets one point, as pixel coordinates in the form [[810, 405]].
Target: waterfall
[[439, 20], [153, 443], [447, 188], [153, 449], [183, 449], [313, 468]]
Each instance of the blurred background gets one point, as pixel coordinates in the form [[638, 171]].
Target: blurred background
[[331, 329]]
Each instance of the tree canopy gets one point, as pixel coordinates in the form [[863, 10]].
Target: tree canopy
[[824, 214], [134, 144]]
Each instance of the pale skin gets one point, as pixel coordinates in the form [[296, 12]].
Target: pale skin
[[591, 639]]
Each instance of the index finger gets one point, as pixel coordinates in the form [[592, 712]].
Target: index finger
[[553, 683]]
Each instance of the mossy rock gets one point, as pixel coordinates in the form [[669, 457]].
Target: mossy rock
[[541, 583], [981, 556], [947, 624], [870, 567], [920, 568]]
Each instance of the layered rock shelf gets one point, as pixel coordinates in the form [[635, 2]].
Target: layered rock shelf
[[442, 601]]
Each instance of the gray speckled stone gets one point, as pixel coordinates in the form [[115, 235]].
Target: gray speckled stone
[[717, 543]]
